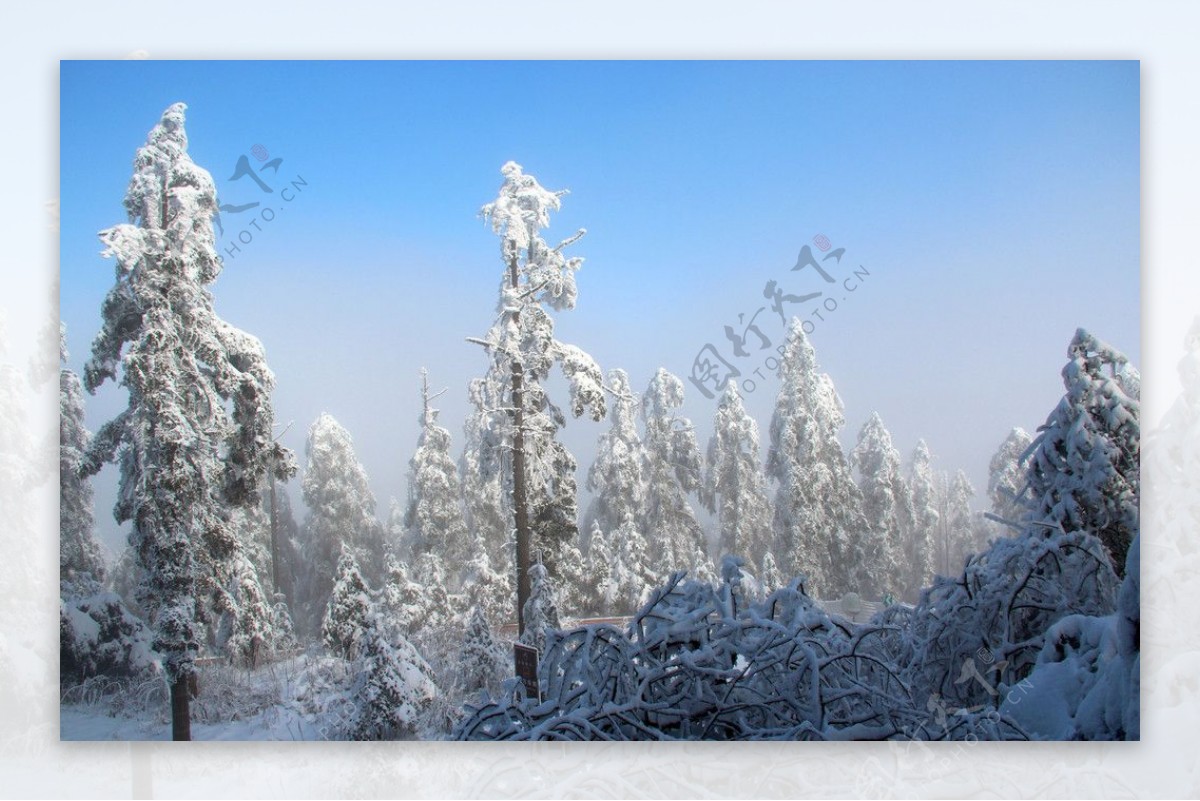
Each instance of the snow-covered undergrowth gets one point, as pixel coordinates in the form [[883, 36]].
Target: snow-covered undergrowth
[[705, 662]]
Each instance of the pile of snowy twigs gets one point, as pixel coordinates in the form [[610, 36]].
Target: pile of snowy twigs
[[705, 662]]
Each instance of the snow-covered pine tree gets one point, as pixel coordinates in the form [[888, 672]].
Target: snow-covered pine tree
[[887, 506], [434, 518], [1006, 478], [403, 598], [341, 513], [185, 455], [488, 589], [769, 578], [957, 522], [348, 608], [482, 663], [819, 524], [1084, 465], [79, 560], [921, 549], [393, 685], [522, 347], [487, 507], [601, 568], [541, 610], [673, 535], [734, 485], [617, 477], [632, 573]]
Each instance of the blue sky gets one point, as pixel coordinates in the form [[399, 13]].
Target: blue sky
[[994, 204]]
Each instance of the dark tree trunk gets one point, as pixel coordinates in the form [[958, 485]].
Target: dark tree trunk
[[181, 724], [520, 506]]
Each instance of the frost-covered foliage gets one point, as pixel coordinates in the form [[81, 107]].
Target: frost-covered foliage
[[393, 685], [99, 636], [1085, 685], [341, 512], [887, 507], [483, 663], [537, 278], [673, 471], [976, 634], [616, 477], [541, 610], [348, 608], [700, 662], [819, 524], [920, 550], [79, 555], [1007, 476], [195, 437], [1084, 464], [734, 485], [434, 518]]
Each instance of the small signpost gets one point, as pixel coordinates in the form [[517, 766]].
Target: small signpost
[[526, 659]]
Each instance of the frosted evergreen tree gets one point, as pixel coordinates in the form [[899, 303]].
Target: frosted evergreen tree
[[921, 548], [341, 510], [957, 522], [819, 525], [482, 663], [601, 566], [1084, 466], [887, 507], [393, 685], [402, 597], [674, 536], [80, 559], [434, 519], [487, 507], [734, 485], [488, 589], [348, 608], [1007, 476], [538, 278], [195, 438], [541, 610], [395, 537], [632, 571], [617, 475], [769, 578]]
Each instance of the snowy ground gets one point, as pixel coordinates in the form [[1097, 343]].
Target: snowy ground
[[298, 699]]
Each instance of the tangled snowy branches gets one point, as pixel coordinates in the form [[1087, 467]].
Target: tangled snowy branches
[[704, 662], [999, 610]]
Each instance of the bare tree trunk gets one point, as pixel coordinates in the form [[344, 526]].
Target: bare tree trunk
[[520, 507], [181, 724], [274, 538]]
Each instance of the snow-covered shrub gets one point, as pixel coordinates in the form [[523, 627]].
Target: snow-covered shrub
[[973, 635], [701, 662], [392, 687], [1086, 680], [98, 636]]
